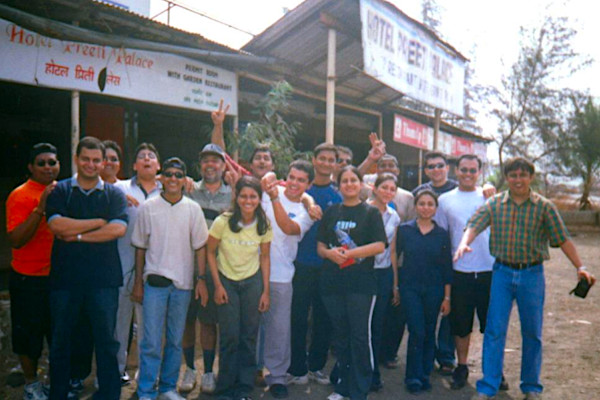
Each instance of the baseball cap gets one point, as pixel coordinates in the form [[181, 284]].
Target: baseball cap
[[212, 148], [174, 162]]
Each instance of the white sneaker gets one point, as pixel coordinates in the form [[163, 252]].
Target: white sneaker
[[319, 377], [170, 395], [208, 383], [34, 391], [189, 380], [297, 380], [335, 396]]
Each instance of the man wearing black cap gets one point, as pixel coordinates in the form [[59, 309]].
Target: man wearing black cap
[[31, 242], [214, 197], [169, 231]]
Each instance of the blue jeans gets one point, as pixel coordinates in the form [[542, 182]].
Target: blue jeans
[[445, 347], [100, 305], [527, 287], [422, 306], [162, 305], [238, 329]]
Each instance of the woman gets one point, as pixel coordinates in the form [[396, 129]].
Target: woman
[[386, 267], [242, 239], [112, 162], [424, 282], [350, 235]]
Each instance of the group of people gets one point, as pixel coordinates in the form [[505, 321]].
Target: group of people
[[253, 258]]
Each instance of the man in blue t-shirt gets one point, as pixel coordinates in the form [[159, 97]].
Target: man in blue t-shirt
[[306, 281], [86, 216]]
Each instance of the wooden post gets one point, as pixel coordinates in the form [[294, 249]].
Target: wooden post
[[436, 128], [330, 98], [75, 128]]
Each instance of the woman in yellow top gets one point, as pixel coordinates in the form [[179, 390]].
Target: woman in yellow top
[[243, 239]]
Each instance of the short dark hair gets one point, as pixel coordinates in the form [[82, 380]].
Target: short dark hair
[[41, 148], [344, 149], [304, 166], [469, 157], [518, 163], [146, 146], [350, 168], [426, 192], [263, 148], [434, 154], [388, 157], [111, 144], [386, 176], [325, 147], [90, 143]]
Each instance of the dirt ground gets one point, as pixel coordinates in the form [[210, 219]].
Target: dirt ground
[[571, 369]]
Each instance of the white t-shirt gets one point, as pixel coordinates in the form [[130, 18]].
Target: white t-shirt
[[455, 209], [284, 247], [170, 233]]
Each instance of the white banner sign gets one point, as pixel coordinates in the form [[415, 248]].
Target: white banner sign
[[33, 59], [400, 54]]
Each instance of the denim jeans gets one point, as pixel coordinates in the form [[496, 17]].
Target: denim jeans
[[393, 332], [238, 329], [527, 287], [385, 284], [445, 347], [100, 304], [164, 310], [307, 297], [422, 306]]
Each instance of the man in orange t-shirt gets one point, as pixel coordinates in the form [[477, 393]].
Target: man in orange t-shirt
[[31, 242]]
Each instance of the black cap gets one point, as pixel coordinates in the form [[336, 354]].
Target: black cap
[[40, 148], [174, 162]]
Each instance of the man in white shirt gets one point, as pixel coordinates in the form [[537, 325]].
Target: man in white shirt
[[473, 272], [290, 221]]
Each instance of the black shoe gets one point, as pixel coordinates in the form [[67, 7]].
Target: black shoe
[[413, 388], [278, 391], [446, 369], [425, 386], [503, 384], [376, 386], [459, 377]]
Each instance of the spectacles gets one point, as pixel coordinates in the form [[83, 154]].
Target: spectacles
[[112, 159], [469, 170], [42, 163], [344, 160], [150, 155], [177, 175], [434, 166]]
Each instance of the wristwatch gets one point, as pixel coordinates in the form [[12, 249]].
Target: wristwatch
[[79, 237]]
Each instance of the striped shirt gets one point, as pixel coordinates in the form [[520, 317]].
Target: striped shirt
[[520, 233]]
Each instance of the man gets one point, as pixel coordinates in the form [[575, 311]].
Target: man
[[472, 273], [87, 216], [436, 168], [522, 223], [214, 197], [169, 232], [143, 186], [290, 221], [31, 242], [345, 157], [305, 366]]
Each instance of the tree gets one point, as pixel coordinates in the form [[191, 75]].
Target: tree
[[580, 148], [530, 112]]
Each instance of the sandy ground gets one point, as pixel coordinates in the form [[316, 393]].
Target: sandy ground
[[571, 369]]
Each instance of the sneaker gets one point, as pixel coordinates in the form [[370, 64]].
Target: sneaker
[[189, 380], [259, 379], [278, 391], [76, 385], [335, 396], [125, 379], [170, 395], [459, 377], [319, 377], [297, 380], [533, 396], [446, 369], [503, 384], [481, 396], [34, 391], [208, 383]]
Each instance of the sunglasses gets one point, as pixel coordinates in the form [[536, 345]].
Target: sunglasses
[[344, 160], [434, 166], [469, 170], [42, 163], [112, 159], [177, 175], [141, 156]]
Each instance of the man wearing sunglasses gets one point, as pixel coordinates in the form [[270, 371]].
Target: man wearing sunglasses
[[31, 242], [169, 232], [436, 168], [472, 273]]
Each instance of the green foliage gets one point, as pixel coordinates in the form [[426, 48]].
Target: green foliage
[[271, 129]]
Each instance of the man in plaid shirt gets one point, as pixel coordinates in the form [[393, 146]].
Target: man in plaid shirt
[[522, 224]]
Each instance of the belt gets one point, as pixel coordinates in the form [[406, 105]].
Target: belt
[[518, 266]]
